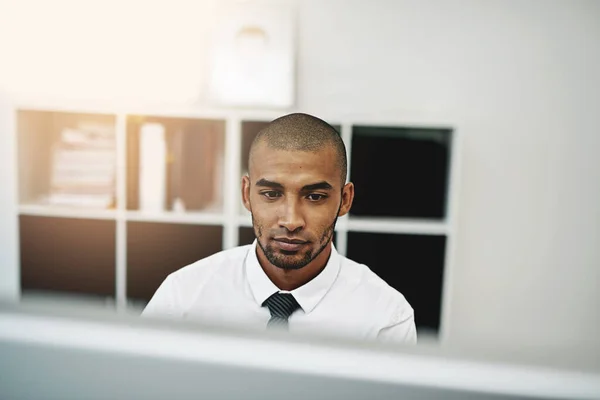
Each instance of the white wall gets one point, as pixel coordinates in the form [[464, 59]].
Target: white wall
[[520, 79]]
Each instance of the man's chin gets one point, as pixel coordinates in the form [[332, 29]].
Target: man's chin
[[285, 259], [289, 262]]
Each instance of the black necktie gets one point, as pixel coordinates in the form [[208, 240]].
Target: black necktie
[[281, 306]]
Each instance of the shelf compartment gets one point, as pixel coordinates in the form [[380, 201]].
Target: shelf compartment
[[409, 166], [191, 167], [245, 235], [250, 130], [67, 159], [412, 264], [154, 250], [68, 255]]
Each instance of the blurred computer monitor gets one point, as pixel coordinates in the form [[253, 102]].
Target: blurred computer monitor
[[62, 356]]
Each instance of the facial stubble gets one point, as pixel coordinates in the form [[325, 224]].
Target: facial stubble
[[269, 252]]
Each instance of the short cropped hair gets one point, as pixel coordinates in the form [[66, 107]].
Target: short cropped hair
[[303, 132]]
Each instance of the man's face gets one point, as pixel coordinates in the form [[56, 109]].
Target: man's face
[[295, 198]]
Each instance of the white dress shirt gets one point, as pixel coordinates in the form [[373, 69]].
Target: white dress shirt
[[346, 299]]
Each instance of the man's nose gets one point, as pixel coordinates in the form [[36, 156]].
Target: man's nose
[[291, 216]]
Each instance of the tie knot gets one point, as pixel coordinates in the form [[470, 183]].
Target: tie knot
[[281, 305]]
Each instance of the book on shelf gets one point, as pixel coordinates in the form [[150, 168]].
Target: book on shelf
[[152, 171], [83, 167]]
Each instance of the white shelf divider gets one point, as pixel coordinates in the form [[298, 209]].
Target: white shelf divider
[[42, 210], [346, 134], [121, 233], [452, 201], [231, 196], [341, 242], [202, 218], [244, 221], [396, 225]]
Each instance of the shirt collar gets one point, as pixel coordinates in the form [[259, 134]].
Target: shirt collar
[[307, 295]]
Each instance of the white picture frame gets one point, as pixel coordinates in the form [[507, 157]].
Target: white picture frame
[[252, 56]]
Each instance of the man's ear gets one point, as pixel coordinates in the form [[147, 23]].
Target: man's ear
[[347, 198], [246, 192]]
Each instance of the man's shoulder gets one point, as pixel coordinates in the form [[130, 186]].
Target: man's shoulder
[[225, 259], [180, 288], [374, 289]]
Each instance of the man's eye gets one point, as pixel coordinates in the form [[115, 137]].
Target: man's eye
[[316, 197], [271, 194]]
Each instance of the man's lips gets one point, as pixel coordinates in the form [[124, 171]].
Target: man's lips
[[290, 244], [290, 240]]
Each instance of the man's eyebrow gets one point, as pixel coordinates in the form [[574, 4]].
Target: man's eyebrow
[[266, 183], [317, 186]]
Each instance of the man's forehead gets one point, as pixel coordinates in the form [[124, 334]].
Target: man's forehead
[[269, 158], [266, 147], [293, 173], [293, 168]]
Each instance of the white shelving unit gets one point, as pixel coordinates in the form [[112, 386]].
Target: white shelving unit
[[231, 218]]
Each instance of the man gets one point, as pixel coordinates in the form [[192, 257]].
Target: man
[[291, 276]]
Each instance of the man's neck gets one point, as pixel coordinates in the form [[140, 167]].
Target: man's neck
[[290, 279]]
